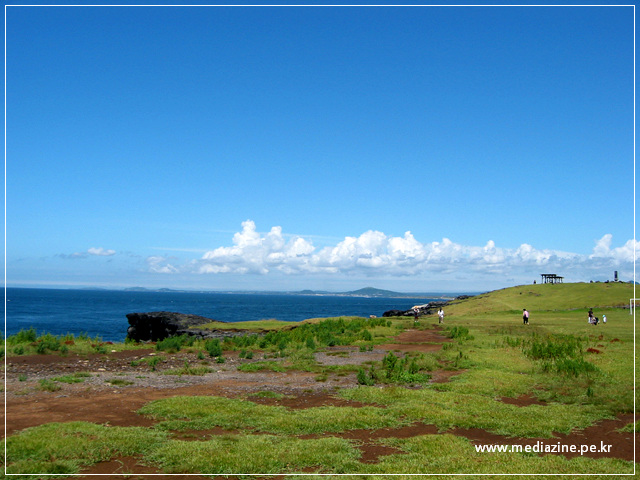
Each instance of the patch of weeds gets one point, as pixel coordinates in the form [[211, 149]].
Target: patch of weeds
[[151, 361], [248, 354], [23, 336], [394, 370], [460, 333], [119, 382], [46, 343], [629, 428], [77, 377], [22, 377], [263, 365], [561, 354], [48, 385], [175, 343], [366, 379]]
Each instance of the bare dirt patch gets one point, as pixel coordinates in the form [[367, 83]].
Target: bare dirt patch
[[417, 341]]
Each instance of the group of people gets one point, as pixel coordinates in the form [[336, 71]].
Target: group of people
[[440, 315], [593, 320]]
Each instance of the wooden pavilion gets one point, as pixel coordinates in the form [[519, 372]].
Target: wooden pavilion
[[551, 278]]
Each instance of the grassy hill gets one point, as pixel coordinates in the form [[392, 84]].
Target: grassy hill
[[546, 297]]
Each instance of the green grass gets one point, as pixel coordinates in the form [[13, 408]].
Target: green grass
[[266, 454], [200, 413], [447, 409], [66, 447], [546, 297], [448, 454], [584, 373]]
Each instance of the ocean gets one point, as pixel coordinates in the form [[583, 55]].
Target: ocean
[[103, 312]]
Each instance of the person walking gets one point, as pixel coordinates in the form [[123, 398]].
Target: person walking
[[441, 315], [525, 317]]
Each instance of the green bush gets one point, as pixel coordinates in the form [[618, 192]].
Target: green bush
[[461, 333], [175, 343], [213, 347], [364, 379], [23, 336]]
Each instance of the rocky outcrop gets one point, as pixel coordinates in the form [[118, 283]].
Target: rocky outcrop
[[426, 309], [155, 326]]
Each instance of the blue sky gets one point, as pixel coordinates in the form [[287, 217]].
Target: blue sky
[[282, 148]]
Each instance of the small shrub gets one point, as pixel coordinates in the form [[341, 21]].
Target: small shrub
[[364, 379], [175, 343], [23, 336], [461, 333], [213, 347]]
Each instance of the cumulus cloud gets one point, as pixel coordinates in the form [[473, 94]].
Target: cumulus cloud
[[253, 253], [159, 264], [375, 253], [619, 255]]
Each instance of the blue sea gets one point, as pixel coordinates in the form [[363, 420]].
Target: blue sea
[[103, 312]]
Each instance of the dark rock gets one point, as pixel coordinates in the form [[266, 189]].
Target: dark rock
[[463, 297], [426, 309], [155, 326]]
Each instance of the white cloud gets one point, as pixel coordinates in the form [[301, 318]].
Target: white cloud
[[623, 254], [375, 253], [101, 252], [158, 264], [93, 251]]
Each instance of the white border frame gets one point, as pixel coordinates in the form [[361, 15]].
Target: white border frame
[[316, 474]]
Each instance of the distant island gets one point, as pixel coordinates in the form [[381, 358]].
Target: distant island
[[363, 292]]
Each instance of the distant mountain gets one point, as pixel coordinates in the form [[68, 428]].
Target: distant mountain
[[143, 289], [366, 292], [374, 292]]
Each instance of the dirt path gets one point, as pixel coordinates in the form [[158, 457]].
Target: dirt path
[[99, 401]]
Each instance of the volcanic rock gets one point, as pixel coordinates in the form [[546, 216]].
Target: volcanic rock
[[155, 326], [426, 309]]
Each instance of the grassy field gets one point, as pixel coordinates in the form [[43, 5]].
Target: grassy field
[[582, 373]]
